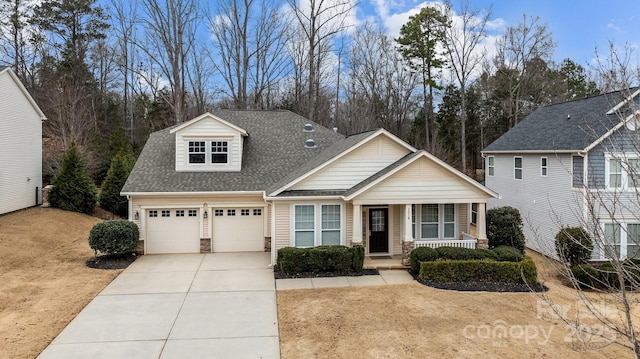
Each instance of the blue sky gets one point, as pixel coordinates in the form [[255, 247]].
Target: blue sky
[[576, 26]]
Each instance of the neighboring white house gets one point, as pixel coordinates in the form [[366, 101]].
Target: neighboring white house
[[263, 180], [20, 145], [568, 164]]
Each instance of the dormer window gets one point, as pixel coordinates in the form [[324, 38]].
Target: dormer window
[[216, 151], [219, 152]]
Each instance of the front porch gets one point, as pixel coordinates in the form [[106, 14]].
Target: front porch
[[392, 231]]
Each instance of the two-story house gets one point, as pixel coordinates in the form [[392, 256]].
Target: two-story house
[[573, 164], [263, 180]]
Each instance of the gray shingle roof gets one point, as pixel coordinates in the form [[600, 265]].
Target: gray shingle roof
[[550, 128], [273, 154]]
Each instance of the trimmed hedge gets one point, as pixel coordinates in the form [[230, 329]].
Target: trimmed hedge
[[479, 271], [508, 254], [421, 254], [320, 259], [457, 253], [504, 228], [114, 237], [586, 275]]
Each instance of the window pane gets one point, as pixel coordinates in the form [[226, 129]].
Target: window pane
[[430, 231], [196, 152], [331, 216], [429, 213], [518, 162], [304, 217], [612, 239], [518, 174], [633, 240], [491, 161], [449, 212], [449, 230], [615, 173], [304, 239], [330, 238], [413, 220]]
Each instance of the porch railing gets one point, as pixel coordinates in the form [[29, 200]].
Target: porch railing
[[464, 243]]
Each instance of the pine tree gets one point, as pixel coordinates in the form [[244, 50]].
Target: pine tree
[[110, 198], [73, 189]]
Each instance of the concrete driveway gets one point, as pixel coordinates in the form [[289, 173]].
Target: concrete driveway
[[219, 305]]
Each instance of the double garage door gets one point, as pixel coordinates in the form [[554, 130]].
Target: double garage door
[[179, 230]]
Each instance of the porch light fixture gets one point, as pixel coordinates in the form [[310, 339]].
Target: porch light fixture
[[136, 216], [204, 215]]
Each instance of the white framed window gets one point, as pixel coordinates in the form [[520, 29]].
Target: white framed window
[[244, 212], [219, 151], [517, 168], [435, 221], [218, 212], [304, 225], [413, 221], [621, 239], [197, 152], [491, 166], [622, 171], [331, 224], [257, 212], [153, 213], [317, 224], [544, 166], [429, 221], [193, 213], [474, 213], [231, 212], [180, 213]]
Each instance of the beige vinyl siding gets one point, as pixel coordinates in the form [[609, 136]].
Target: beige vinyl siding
[[356, 166], [208, 129], [423, 181], [463, 218], [20, 148], [282, 225], [396, 216]]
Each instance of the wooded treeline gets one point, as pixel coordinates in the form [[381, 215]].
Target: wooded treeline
[[143, 65]]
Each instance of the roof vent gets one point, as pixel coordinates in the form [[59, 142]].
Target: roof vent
[[310, 143], [335, 130], [308, 127], [568, 117]]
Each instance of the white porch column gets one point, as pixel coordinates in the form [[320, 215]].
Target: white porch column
[[356, 239], [408, 231], [482, 227]]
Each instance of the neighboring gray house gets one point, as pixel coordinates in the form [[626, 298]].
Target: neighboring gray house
[[573, 164], [20, 145], [263, 180]]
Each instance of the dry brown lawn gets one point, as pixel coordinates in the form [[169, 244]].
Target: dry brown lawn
[[415, 321], [44, 282]]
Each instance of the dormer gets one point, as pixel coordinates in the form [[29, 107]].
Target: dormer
[[208, 144]]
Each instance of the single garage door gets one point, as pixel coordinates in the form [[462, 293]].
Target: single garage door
[[173, 231], [238, 230]]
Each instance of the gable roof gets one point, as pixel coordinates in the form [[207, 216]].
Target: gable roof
[[208, 115], [564, 127], [24, 91], [273, 148]]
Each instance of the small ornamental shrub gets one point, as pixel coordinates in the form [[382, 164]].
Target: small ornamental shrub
[[479, 271], [610, 277], [504, 228], [421, 254], [73, 189], [574, 245], [114, 237], [317, 259], [508, 254], [110, 198], [586, 275]]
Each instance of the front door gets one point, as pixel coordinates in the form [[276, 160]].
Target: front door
[[378, 230]]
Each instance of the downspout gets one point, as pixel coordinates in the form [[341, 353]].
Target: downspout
[[272, 207]]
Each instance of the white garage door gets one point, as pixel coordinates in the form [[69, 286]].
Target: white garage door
[[238, 230], [173, 231]]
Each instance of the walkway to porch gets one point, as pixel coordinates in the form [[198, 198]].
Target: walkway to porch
[[384, 262]]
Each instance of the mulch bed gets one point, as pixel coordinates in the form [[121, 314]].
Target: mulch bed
[[111, 261], [281, 275], [484, 287]]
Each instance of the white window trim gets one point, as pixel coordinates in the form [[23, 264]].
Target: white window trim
[[317, 222], [516, 168], [417, 225], [544, 168], [491, 166], [208, 152], [623, 236], [624, 181]]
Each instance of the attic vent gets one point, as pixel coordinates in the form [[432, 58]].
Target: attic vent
[[310, 143], [308, 127]]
